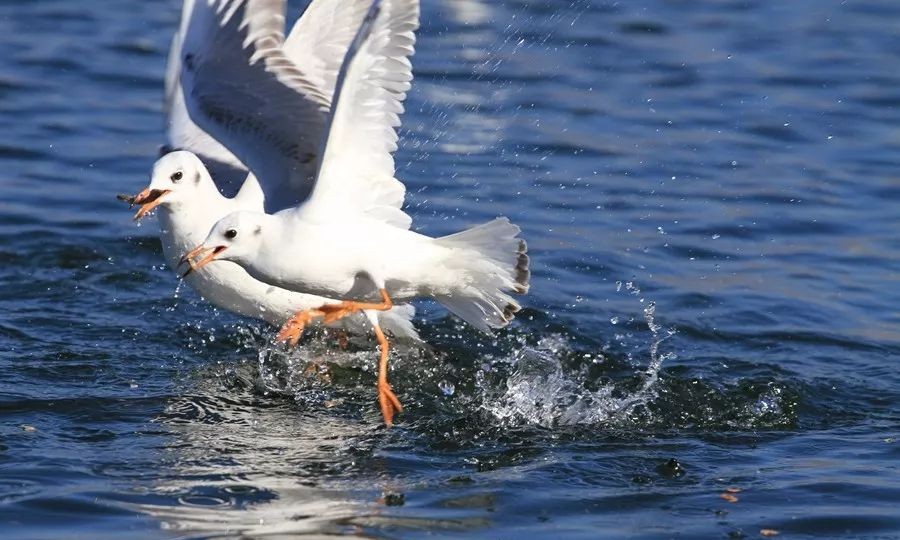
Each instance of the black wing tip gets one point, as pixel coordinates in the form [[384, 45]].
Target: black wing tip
[[523, 268]]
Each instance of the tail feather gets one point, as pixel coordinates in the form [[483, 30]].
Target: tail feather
[[493, 263], [523, 268]]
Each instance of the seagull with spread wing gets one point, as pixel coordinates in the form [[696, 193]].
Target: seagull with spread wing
[[349, 238], [189, 199]]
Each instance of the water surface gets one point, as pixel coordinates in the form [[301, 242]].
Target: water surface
[[710, 193]]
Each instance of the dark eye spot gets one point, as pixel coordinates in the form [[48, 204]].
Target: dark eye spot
[[189, 61], [176, 177], [230, 234]]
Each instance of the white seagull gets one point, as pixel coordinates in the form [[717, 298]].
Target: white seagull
[[349, 238], [189, 200]]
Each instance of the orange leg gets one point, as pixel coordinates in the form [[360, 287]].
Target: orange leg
[[340, 310], [293, 329], [390, 405]]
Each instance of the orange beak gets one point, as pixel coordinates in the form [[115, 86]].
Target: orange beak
[[208, 255], [148, 199]]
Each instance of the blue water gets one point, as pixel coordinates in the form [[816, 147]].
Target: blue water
[[711, 195]]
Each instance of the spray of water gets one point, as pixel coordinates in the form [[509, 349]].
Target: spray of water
[[540, 391]]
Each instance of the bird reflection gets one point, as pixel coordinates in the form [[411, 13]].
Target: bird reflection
[[244, 463]]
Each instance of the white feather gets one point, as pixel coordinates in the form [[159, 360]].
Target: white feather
[[356, 175]]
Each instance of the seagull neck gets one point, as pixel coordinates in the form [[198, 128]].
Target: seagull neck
[[208, 191], [251, 195], [203, 199]]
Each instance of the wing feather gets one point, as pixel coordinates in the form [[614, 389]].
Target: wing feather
[[356, 174], [183, 134], [320, 38], [239, 86]]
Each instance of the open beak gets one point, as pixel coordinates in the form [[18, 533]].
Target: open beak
[[148, 199], [206, 255]]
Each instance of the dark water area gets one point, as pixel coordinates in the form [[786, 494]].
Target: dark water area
[[711, 195]]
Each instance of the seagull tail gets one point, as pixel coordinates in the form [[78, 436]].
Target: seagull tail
[[494, 263]]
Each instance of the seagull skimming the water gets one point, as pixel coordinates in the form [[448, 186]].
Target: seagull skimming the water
[[349, 238], [220, 69]]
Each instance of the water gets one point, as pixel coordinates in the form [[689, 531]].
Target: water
[[710, 195]]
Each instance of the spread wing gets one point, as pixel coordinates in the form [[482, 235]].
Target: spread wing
[[183, 134], [357, 170], [241, 88], [319, 40]]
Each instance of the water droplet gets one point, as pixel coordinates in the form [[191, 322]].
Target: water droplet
[[614, 320], [447, 387]]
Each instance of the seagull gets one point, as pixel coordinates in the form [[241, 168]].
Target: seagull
[[181, 186], [349, 238]]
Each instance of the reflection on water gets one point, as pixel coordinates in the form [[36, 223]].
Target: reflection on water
[[235, 464], [237, 468]]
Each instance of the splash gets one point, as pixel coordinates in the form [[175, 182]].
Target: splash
[[541, 391], [176, 294], [314, 373], [300, 373], [659, 334]]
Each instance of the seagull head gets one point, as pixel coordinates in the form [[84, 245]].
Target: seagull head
[[176, 176], [235, 237]]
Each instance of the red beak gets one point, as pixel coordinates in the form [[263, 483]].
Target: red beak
[[148, 199], [208, 254]]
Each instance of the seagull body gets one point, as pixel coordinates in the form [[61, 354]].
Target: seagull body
[[354, 259], [349, 237], [186, 212], [192, 204]]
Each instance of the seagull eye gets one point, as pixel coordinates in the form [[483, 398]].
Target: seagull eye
[[177, 177], [230, 234]]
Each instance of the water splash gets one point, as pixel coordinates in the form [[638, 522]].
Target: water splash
[[300, 373], [541, 391], [520, 380], [317, 371], [659, 334], [176, 295]]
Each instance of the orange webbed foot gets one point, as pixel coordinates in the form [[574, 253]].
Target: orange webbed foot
[[390, 405], [293, 328]]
